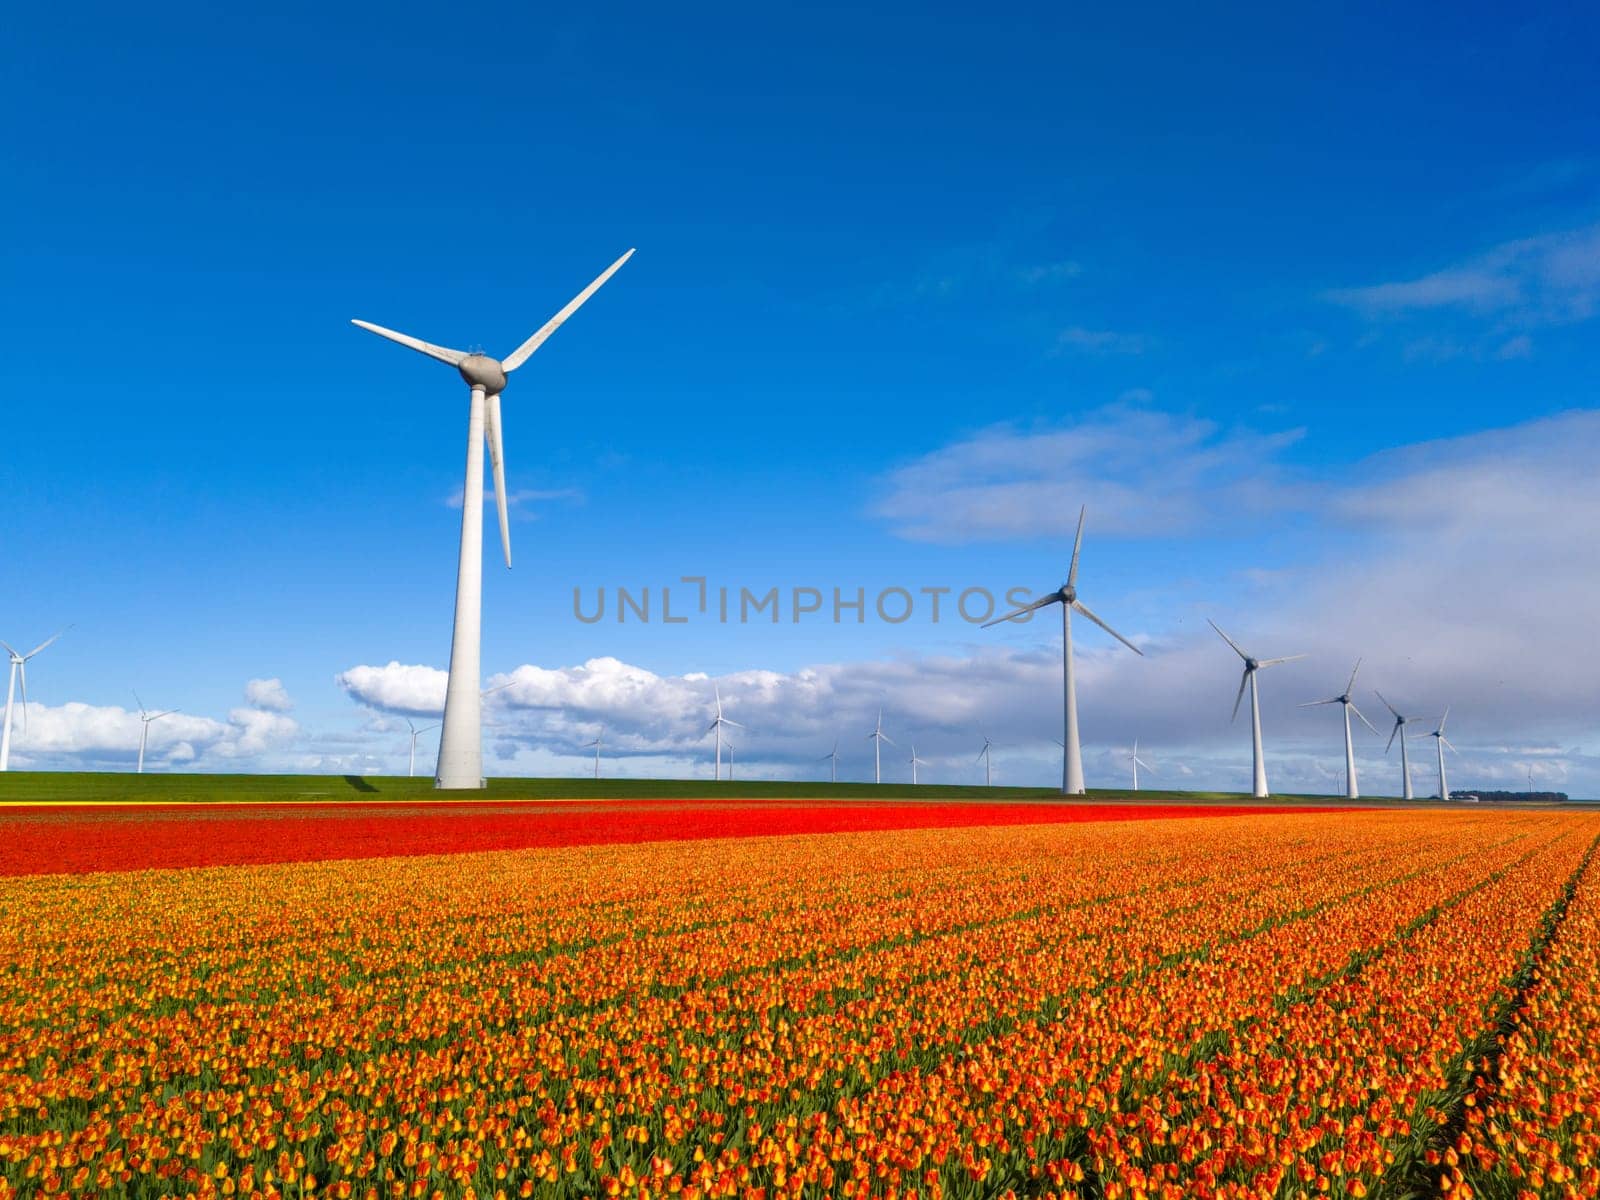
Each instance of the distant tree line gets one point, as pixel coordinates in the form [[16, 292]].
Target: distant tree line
[[1520, 797]]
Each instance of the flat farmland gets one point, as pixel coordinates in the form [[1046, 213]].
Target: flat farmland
[[815, 1000]]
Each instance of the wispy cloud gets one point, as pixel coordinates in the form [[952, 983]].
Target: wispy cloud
[[1100, 341], [1549, 279], [522, 498], [1143, 471]]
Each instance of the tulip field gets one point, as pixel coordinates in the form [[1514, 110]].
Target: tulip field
[[896, 1000]]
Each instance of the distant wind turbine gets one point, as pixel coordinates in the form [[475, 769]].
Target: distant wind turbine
[[411, 765], [878, 737], [144, 728], [987, 759], [1067, 596], [730, 762], [599, 741], [1351, 790], [833, 758], [461, 743], [19, 667], [1400, 724], [1136, 763], [716, 727], [915, 762], [1440, 742], [1251, 666]]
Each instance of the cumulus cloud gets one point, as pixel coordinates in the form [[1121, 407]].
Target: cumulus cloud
[[267, 694], [414, 690], [1142, 471], [84, 736]]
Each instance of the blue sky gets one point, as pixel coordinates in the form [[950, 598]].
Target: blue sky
[[1268, 274]]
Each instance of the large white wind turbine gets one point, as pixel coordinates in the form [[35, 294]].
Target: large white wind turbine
[[1440, 741], [834, 759], [411, 765], [1136, 762], [461, 742], [716, 727], [987, 760], [915, 762], [1067, 596], [599, 741], [878, 737], [1400, 724], [19, 667], [144, 728], [1351, 790], [1251, 666]]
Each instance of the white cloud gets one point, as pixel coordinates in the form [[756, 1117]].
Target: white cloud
[[1550, 279], [1141, 471], [86, 735], [521, 499], [267, 694], [411, 689]]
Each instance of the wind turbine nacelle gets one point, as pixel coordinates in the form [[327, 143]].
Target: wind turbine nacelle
[[481, 371]]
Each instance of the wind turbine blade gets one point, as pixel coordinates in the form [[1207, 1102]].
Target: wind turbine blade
[[1077, 545], [1239, 699], [159, 715], [45, 643], [497, 460], [1448, 742], [1364, 720], [1351, 686], [1272, 662], [1026, 608], [520, 355], [735, 724], [888, 739], [1392, 732], [1084, 609], [443, 353], [1387, 705], [9, 650], [1443, 719], [1227, 639], [1315, 703], [138, 701]]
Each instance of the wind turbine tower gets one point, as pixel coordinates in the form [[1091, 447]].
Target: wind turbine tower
[[19, 668], [1440, 742], [833, 758], [1136, 763], [1351, 790], [878, 737], [717, 723], [411, 764], [144, 728], [1252, 665], [461, 742], [1400, 724], [1067, 596]]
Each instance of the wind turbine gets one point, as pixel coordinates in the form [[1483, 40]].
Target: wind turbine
[[716, 727], [834, 759], [595, 745], [987, 760], [878, 737], [1440, 741], [1400, 724], [1137, 763], [19, 667], [144, 729], [730, 762], [461, 744], [915, 762], [1067, 596], [1251, 666], [1351, 791], [411, 765]]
